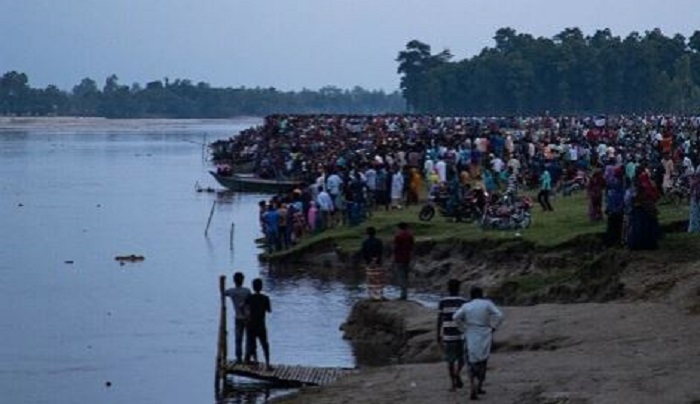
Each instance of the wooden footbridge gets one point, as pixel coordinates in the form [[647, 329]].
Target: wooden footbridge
[[288, 376], [280, 375]]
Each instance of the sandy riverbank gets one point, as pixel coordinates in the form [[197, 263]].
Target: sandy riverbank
[[578, 353]]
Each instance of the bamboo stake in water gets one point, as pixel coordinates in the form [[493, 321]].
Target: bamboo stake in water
[[221, 345], [213, 205], [204, 148], [233, 227]]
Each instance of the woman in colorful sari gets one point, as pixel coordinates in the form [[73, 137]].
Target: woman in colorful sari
[[643, 232], [595, 188], [415, 185], [694, 220]]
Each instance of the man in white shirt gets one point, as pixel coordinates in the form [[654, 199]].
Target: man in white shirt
[[428, 167], [496, 164], [371, 179], [325, 205], [333, 184], [441, 168], [573, 153], [514, 164], [479, 319]]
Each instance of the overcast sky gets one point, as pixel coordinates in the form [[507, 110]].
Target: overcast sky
[[287, 44]]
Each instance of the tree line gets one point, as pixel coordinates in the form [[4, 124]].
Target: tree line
[[181, 98], [568, 73]]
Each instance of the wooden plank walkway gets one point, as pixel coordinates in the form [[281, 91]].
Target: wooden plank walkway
[[288, 376]]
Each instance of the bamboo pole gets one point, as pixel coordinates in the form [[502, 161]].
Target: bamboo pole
[[221, 345], [233, 228], [204, 148], [211, 213], [224, 328]]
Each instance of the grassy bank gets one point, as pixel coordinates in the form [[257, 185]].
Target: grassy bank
[[549, 229]]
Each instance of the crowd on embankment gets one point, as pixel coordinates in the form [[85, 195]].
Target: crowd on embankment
[[347, 165]]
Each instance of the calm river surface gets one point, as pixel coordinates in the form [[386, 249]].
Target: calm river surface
[[72, 320]]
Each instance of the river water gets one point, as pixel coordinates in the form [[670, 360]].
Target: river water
[[78, 327]]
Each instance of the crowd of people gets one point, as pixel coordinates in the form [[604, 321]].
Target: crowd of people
[[348, 165]]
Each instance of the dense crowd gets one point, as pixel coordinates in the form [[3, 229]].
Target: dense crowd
[[350, 164]]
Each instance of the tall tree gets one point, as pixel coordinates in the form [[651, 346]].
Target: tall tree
[[14, 93]]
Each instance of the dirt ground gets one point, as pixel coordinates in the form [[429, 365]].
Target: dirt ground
[[575, 353]]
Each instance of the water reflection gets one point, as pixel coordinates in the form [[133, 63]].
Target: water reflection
[[239, 390]]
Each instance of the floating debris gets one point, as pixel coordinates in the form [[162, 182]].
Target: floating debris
[[129, 258], [69, 262], [199, 188]]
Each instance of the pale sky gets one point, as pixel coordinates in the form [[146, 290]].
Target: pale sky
[[287, 44]]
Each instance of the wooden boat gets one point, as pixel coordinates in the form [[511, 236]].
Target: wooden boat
[[251, 183]]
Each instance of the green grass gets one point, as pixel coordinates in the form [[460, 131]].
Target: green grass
[[549, 229]]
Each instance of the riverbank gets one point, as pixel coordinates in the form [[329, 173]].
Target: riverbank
[[632, 352], [584, 324], [555, 260]]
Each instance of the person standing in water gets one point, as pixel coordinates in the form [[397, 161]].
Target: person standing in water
[[372, 252], [403, 251], [258, 305]]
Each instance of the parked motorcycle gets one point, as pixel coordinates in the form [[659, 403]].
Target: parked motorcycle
[[507, 214], [679, 191], [466, 210]]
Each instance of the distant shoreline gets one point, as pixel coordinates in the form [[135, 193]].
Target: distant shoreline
[[99, 124]]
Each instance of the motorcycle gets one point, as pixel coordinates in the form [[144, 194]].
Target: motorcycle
[[508, 214], [466, 210], [576, 184], [678, 192]]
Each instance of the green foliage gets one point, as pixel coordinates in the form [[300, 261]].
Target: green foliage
[[183, 99], [569, 73]]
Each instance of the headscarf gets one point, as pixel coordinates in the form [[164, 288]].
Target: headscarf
[[647, 189]]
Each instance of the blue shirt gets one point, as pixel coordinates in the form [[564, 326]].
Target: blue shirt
[[272, 220], [333, 183]]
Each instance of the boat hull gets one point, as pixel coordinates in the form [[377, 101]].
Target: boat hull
[[250, 183]]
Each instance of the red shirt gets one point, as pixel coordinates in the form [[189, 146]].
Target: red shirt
[[403, 246]]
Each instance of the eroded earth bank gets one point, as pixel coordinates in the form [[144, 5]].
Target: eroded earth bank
[[583, 324]]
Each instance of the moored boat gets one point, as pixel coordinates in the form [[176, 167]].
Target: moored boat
[[251, 183]]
